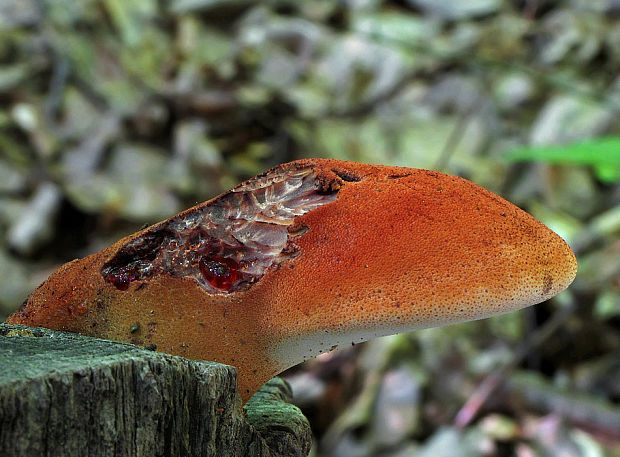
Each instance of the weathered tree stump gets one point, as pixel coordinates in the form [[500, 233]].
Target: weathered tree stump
[[63, 394]]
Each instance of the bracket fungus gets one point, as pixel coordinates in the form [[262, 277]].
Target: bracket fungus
[[306, 257]]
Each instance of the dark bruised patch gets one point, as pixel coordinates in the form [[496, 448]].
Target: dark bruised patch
[[547, 284], [132, 261], [399, 175], [346, 175], [151, 347], [432, 174], [327, 185]]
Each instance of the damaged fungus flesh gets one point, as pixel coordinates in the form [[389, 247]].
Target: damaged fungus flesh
[[308, 256]]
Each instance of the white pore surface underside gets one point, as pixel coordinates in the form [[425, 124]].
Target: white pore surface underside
[[298, 348]]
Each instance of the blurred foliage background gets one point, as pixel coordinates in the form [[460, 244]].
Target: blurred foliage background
[[117, 113]]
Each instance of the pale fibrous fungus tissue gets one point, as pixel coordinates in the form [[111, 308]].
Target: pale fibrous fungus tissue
[[308, 256]]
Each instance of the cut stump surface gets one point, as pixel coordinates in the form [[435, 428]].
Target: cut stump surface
[[63, 394]]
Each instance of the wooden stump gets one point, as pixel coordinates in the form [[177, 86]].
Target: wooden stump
[[63, 394]]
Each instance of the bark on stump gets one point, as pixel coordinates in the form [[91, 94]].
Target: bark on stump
[[63, 394]]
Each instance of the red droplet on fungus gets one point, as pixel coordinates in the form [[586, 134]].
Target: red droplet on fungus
[[119, 280], [220, 272]]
